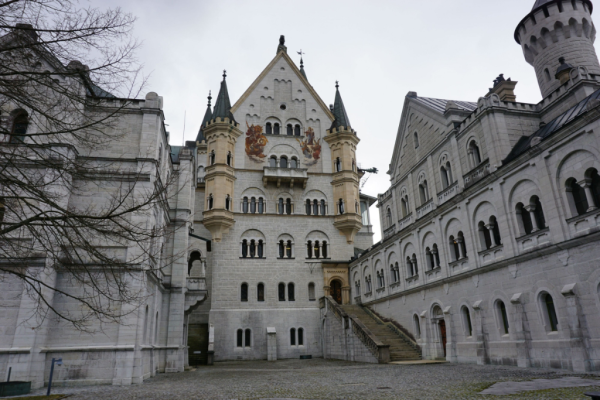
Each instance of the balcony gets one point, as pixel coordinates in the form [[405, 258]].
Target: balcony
[[404, 222], [492, 255], [534, 240], [478, 173], [584, 224], [389, 231], [286, 176], [425, 209], [196, 293], [448, 193]]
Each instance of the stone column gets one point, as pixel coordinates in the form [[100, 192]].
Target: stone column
[[521, 339], [534, 221], [587, 186], [461, 252], [482, 356], [579, 354], [450, 344], [490, 228]]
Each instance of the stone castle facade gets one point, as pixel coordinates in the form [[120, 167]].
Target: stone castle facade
[[490, 228]]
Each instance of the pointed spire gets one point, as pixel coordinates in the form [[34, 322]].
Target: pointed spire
[[223, 105], [207, 117], [302, 64], [339, 111]]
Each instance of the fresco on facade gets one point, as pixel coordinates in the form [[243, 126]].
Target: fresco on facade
[[311, 148], [255, 143]]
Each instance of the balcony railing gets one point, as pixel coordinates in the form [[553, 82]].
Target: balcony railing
[[448, 193], [425, 209], [478, 173], [404, 222], [389, 231], [286, 176]]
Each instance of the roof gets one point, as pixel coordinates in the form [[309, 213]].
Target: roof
[[339, 111], [540, 3], [527, 142], [223, 105], [439, 105], [207, 117], [175, 150]]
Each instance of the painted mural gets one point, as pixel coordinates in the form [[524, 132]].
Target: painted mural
[[311, 147], [255, 143]]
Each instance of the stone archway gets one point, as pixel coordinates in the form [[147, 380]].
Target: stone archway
[[441, 338], [336, 272], [335, 290]]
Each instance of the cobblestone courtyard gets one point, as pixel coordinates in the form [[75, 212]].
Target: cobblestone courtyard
[[323, 380]]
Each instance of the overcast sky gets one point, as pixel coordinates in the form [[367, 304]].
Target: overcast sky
[[379, 50]]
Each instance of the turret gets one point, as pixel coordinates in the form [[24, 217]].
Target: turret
[[342, 140], [221, 134], [554, 30]]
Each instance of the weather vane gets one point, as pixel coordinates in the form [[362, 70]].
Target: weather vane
[[301, 53]]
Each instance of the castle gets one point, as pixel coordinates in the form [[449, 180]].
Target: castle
[[489, 229]]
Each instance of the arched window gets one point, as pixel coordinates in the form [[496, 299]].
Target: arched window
[[357, 287], [424, 191], [324, 249], [449, 173], [269, 128], [454, 250], [547, 75], [276, 131], [283, 162], [300, 337], [297, 130], [338, 165], [294, 163], [444, 176], [502, 317], [281, 208], [416, 139], [288, 206], [467, 321], [389, 217], [524, 220], [291, 292], [409, 267], [495, 232], [245, 205], [417, 325], [248, 338], [240, 338], [288, 249], [594, 179], [252, 248], [538, 212], [311, 292], [436, 256], [244, 248], [484, 236], [290, 130], [463, 244], [261, 249], [261, 206], [293, 334], [341, 208], [281, 249], [195, 257], [308, 207], [474, 154], [309, 249], [430, 259], [273, 162], [317, 250], [252, 205], [415, 265], [316, 207], [260, 292], [212, 158], [19, 128], [210, 202], [577, 198], [549, 312], [323, 209], [281, 291], [244, 292], [227, 203], [229, 158], [146, 326], [404, 204], [201, 174]]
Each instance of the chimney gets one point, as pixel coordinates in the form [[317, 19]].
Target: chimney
[[504, 88]]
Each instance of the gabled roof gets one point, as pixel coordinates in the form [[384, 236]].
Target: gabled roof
[[527, 142], [258, 80], [339, 111], [439, 105]]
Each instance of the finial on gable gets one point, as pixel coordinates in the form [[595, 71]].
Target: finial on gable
[[281, 46], [209, 97]]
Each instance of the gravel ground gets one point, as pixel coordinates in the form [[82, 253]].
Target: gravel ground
[[324, 380]]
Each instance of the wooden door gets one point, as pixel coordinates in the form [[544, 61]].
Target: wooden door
[[336, 291], [443, 335], [198, 344]]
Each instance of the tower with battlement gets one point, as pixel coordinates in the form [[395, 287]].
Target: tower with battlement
[[555, 30]]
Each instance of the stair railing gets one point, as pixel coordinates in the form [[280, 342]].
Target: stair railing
[[379, 350], [390, 325]]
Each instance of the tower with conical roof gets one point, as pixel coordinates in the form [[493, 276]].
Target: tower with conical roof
[[207, 117], [555, 30], [342, 140], [221, 133]]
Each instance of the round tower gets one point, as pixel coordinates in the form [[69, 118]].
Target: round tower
[[554, 30]]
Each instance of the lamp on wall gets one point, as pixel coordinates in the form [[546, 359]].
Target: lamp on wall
[[58, 362]]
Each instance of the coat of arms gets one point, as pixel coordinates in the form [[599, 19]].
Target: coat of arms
[[255, 143], [311, 148]]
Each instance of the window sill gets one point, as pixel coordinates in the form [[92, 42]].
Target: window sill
[[318, 259], [368, 294], [253, 258], [312, 299], [532, 234], [381, 289], [433, 271], [394, 285], [286, 258], [412, 278], [499, 247], [456, 262], [583, 216]]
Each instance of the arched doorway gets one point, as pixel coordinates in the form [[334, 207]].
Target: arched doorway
[[335, 290], [438, 319]]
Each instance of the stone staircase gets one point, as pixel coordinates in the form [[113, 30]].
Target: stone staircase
[[401, 347]]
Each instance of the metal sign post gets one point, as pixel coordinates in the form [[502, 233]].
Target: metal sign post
[[58, 361]]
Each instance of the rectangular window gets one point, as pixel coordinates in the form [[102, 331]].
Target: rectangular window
[[248, 338], [293, 337], [240, 335], [281, 292], [300, 337]]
